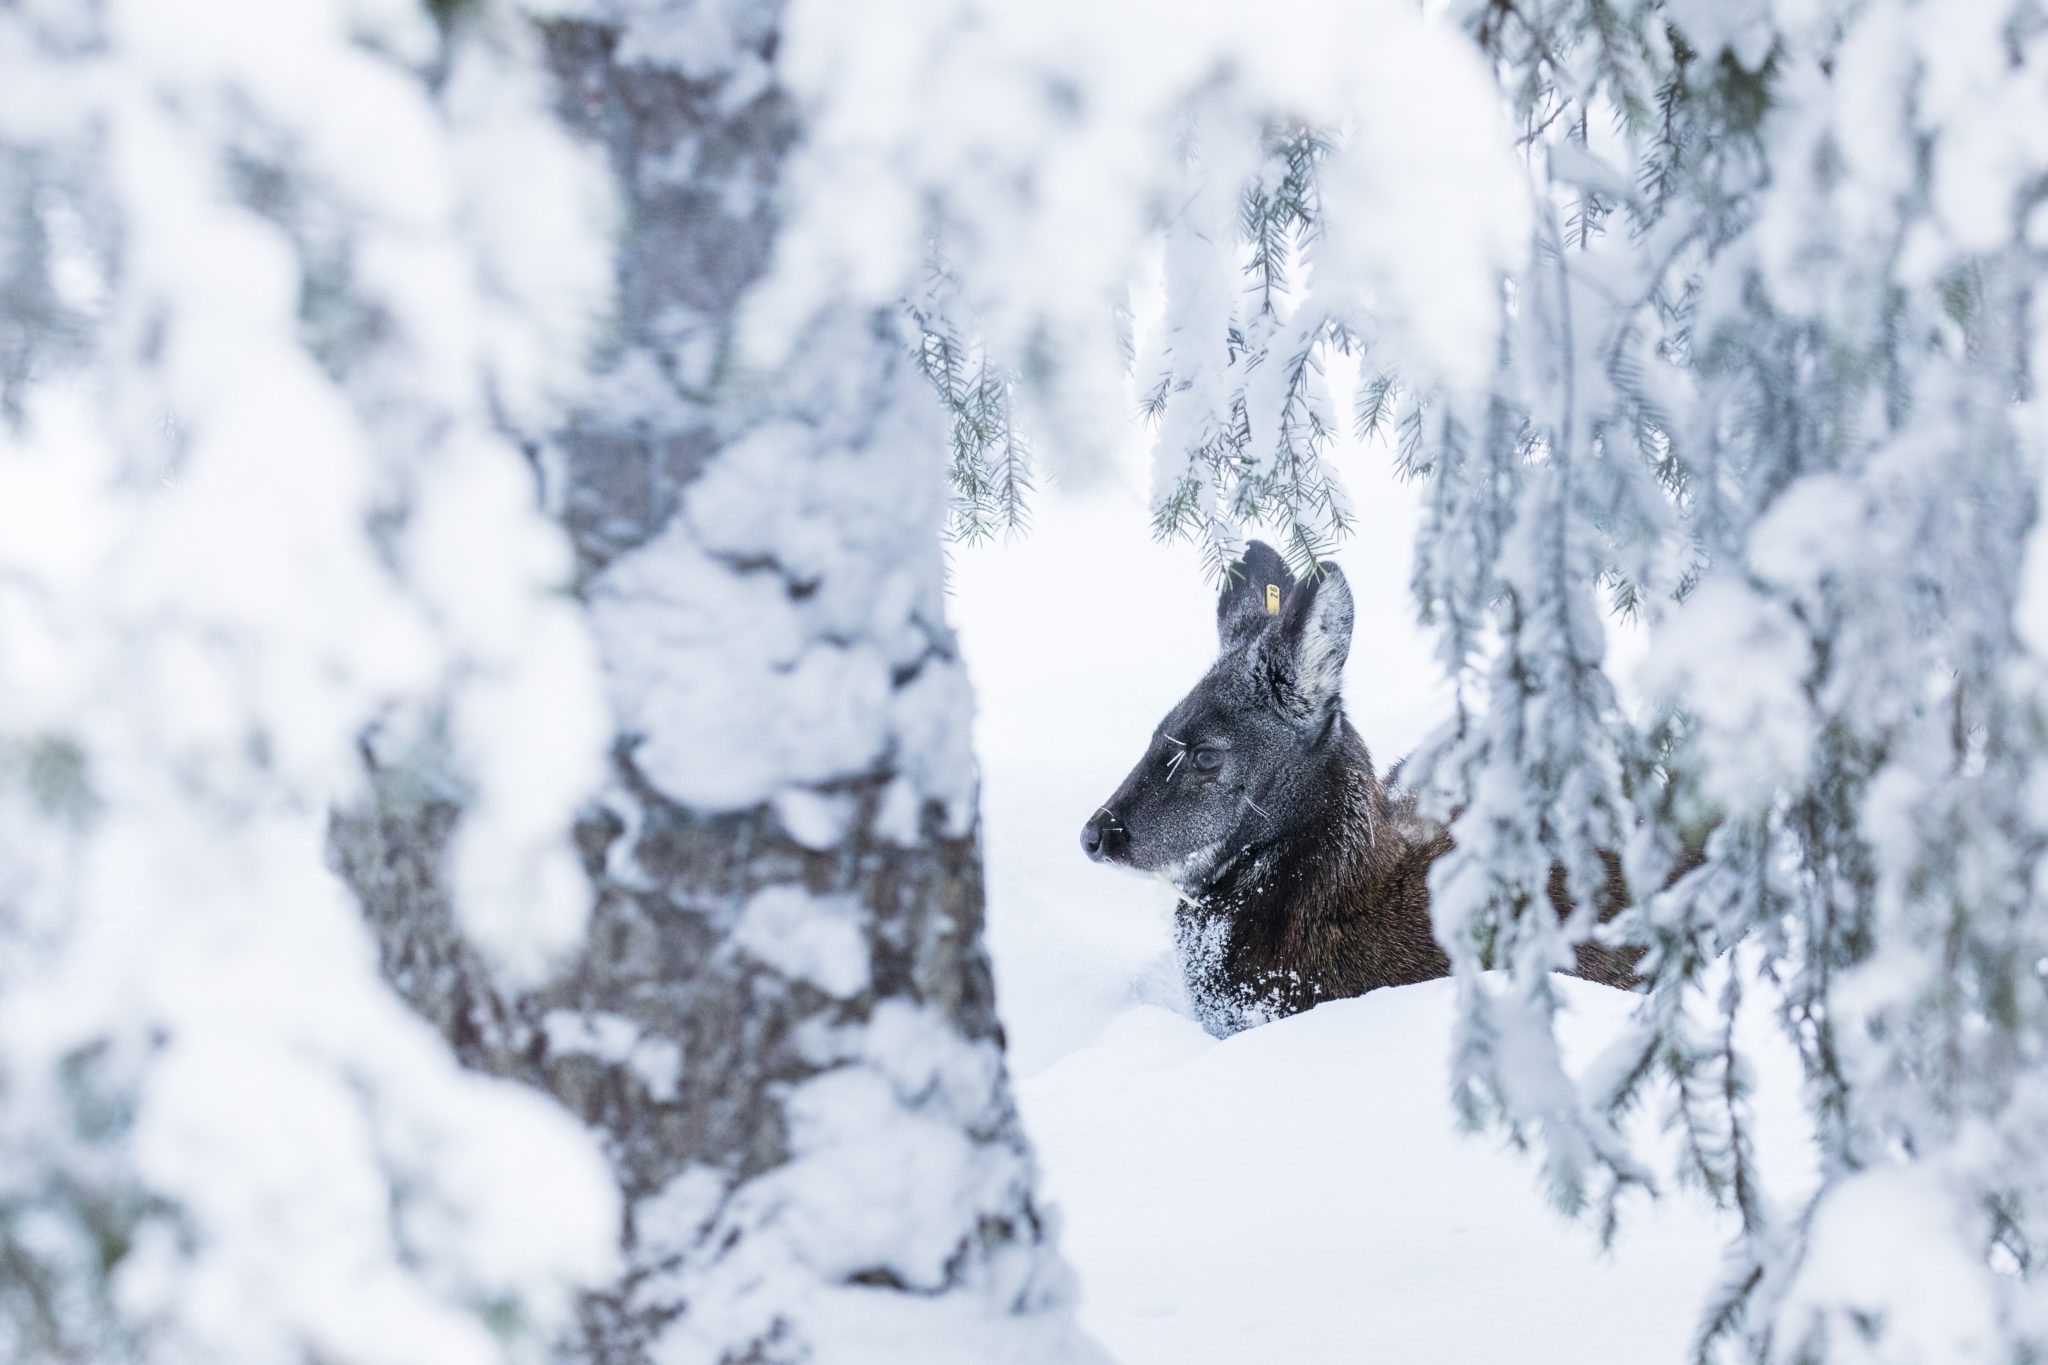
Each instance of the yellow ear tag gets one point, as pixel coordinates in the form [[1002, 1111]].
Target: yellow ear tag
[[1272, 599]]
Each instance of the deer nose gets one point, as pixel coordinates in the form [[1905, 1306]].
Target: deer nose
[[1097, 834]]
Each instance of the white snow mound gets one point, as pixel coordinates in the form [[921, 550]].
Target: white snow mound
[[1301, 1193]]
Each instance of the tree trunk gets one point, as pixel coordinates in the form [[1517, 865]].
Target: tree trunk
[[782, 1020]]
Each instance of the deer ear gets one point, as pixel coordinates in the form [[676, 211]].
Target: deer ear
[[1308, 648], [1255, 592]]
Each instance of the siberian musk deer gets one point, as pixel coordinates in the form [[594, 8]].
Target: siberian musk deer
[[1304, 874]]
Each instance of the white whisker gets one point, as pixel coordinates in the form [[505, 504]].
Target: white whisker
[[1257, 807], [1170, 739]]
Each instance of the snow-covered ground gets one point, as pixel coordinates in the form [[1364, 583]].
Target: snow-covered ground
[[1300, 1194], [1297, 1193]]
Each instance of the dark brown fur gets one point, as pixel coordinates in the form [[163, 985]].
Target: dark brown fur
[[1341, 909]]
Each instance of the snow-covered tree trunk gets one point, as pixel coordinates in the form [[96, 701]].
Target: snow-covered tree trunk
[[782, 1022]]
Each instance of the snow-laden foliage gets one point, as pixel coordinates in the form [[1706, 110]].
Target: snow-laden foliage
[[272, 276], [1744, 353], [1046, 157], [1767, 385]]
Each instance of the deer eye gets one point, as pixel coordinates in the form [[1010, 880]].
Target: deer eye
[[1208, 760]]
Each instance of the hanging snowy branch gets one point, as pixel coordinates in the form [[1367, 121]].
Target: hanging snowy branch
[[262, 312]]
